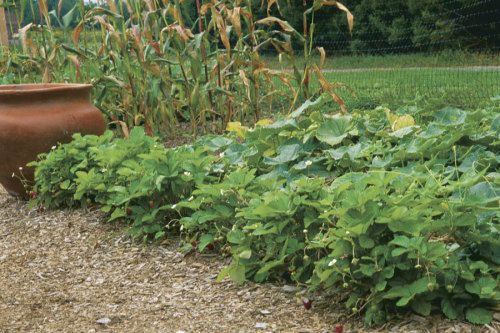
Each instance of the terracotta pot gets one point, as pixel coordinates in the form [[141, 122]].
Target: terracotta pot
[[36, 117]]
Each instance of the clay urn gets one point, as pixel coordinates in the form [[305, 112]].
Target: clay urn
[[36, 117]]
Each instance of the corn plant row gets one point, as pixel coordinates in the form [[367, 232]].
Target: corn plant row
[[150, 68]]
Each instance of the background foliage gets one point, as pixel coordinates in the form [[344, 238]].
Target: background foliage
[[407, 26]]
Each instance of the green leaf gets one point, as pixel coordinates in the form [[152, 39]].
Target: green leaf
[[117, 213], [65, 184], [334, 131], [236, 236], [309, 104], [245, 254], [401, 241], [481, 194], [204, 241], [262, 273], [381, 286], [409, 291], [421, 307], [479, 316], [286, 153], [484, 287], [449, 309], [450, 116], [366, 242], [235, 271], [367, 270]]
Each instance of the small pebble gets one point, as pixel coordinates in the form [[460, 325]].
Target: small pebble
[[103, 321], [261, 325]]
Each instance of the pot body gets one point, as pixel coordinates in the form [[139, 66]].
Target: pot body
[[36, 117]]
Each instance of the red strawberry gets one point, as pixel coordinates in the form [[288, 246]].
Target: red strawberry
[[307, 303], [33, 194], [339, 329], [129, 211]]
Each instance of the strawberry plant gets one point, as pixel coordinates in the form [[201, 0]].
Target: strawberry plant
[[393, 211]]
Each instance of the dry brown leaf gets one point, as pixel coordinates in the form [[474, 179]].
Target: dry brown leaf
[[150, 4], [246, 82], [112, 6], [234, 16], [23, 36], [183, 33], [221, 27], [272, 20], [123, 126], [270, 3], [322, 54], [59, 6], [129, 7], [205, 7], [104, 23], [76, 33], [350, 17], [329, 88], [44, 9], [76, 62], [47, 77]]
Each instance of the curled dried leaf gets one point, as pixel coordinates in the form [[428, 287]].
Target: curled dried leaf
[[328, 87], [76, 33]]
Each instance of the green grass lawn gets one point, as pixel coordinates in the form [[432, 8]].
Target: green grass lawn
[[437, 59], [426, 87]]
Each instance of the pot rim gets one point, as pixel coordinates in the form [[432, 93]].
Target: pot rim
[[31, 88]]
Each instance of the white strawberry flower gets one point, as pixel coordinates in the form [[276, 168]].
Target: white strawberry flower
[[333, 262]]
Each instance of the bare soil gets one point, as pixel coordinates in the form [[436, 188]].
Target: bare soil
[[68, 271]]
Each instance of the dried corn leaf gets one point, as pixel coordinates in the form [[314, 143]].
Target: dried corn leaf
[[112, 6], [329, 89], [76, 33], [270, 20]]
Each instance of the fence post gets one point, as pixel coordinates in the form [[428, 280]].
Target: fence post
[[4, 37]]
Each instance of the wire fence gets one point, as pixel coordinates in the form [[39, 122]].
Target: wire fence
[[450, 51]]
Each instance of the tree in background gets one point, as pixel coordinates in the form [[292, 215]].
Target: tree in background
[[395, 26], [28, 11], [390, 26]]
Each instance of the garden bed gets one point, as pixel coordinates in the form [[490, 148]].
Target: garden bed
[[67, 269]]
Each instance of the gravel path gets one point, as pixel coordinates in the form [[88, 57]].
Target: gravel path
[[66, 271]]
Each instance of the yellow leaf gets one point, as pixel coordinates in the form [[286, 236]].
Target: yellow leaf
[[236, 127], [268, 153], [390, 116], [402, 122], [264, 122], [398, 122]]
